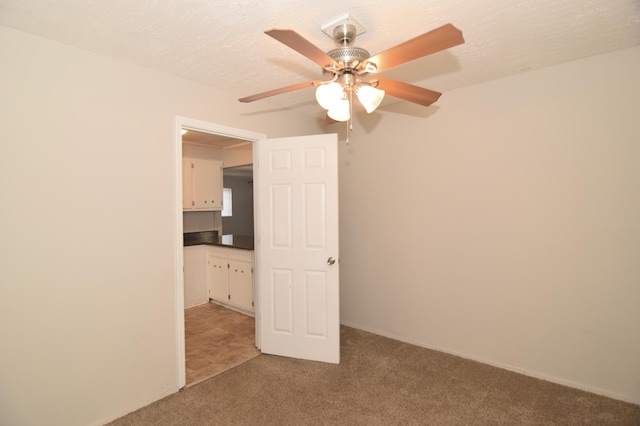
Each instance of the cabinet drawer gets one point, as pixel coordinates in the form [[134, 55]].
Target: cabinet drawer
[[242, 255], [217, 251], [231, 253]]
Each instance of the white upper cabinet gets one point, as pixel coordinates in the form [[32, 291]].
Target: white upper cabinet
[[201, 184], [187, 185]]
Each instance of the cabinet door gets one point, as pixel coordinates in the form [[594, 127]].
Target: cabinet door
[[207, 188], [241, 284], [187, 185], [215, 189], [195, 276], [219, 278]]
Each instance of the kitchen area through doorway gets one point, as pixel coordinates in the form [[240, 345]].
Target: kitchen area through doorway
[[218, 226]]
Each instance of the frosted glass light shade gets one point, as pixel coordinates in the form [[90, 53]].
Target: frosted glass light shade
[[340, 110], [370, 97], [328, 94]]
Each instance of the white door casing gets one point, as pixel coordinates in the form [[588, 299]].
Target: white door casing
[[333, 339], [206, 127], [298, 257]]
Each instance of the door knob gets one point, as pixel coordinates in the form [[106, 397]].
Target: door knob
[[331, 261]]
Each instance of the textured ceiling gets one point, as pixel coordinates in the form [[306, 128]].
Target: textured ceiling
[[222, 44]]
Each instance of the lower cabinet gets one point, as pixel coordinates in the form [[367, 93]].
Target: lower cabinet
[[231, 277], [218, 277], [195, 274]]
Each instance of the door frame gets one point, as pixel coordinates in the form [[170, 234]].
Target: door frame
[[217, 129]]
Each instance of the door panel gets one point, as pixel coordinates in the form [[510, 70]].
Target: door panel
[[298, 232], [315, 220], [282, 301], [316, 300], [281, 200]]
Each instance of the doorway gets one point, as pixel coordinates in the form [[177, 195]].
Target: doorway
[[222, 136]]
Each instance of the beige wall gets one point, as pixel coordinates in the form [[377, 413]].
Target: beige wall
[[500, 225], [87, 304], [504, 224]]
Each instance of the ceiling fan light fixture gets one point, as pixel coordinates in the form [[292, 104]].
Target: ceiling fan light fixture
[[340, 110], [328, 95], [349, 64], [370, 67], [370, 97]]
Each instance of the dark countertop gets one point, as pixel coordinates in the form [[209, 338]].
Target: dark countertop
[[211, 238]]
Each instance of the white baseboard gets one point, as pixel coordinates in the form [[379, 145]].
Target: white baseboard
[[515, 369]]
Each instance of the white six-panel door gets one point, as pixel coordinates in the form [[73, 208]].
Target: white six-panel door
[[298, 256]]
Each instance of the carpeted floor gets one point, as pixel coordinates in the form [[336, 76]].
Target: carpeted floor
[[380, 381]]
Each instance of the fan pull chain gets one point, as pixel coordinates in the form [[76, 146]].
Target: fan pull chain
[[348, 132], [349, 121]]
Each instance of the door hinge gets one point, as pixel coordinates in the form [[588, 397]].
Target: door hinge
[[229, 296], [193, 166]]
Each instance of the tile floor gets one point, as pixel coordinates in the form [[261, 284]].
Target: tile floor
[[217, 339]]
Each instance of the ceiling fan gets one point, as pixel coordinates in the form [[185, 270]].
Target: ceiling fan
[[351, 68]]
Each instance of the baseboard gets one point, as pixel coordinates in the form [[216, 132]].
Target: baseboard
[[136, 407], [233, 308], [515, 369]]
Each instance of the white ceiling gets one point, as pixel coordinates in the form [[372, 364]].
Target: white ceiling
[[222, 44]]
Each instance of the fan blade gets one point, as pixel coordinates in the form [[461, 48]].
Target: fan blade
[[279, 91], [302, 46], [434, 41], [408, 92]]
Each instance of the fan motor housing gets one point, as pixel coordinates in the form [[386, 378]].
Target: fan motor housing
[[349, 56]]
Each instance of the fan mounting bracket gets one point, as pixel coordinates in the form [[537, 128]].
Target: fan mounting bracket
[[344, 19]]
